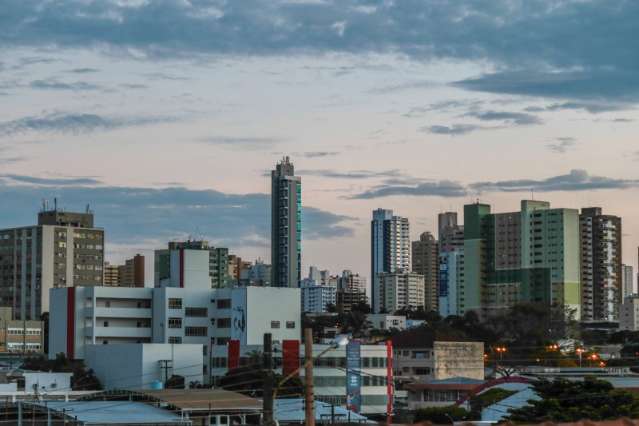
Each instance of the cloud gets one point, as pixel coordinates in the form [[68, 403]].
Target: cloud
[[355, 174], [57, 182], [133, 214], [452, 130], [242, 142], [576, 180], [74, 123], [561, 145], [511, 118], [439, 189], [84, 70], [579, 49], [591, 107], [316, 154], [622, 86], [53, 84]]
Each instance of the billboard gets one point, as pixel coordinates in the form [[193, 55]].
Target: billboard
[[353, 376]]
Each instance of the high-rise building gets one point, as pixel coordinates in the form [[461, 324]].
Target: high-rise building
[[526, 256], [627, 281], [400, 291], [255, 274], [130, 274], [351, 290], [63, 250], [446, 221], [425, 261], [451, 274], [390, 248], [286, 225], [171, 263], [600, 265]]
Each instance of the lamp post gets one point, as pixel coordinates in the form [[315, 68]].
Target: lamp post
[[580, 352], [341, 340]]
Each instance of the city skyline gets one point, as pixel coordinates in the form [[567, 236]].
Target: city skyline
[[178, 139]]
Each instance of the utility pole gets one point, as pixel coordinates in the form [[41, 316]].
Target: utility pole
[[267, 399], [165, 364], [308, 377]]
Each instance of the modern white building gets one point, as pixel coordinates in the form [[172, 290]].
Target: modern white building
[[329, 372], [400, 290], [387, 321], [194, 314], [317, 297], [390, 249], [141, 366]]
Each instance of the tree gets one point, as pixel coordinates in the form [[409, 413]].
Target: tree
[[442, 415], [175, 382], [566, 401]]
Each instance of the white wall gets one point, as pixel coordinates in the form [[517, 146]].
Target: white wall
[[47, 382], [266, 304], [136, 366]]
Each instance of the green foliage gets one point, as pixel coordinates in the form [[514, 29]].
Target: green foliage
[[568, 401], [442, 415]]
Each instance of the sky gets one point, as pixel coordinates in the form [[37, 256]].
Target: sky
[[166, 116]]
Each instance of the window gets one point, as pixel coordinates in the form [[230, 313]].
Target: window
[[222, 341], [196, 331], [224, 304], [175, 303], [275, 324], [290, 324], [175, 322], [196, 312], [105, 324], [224, 323], [175, 339]]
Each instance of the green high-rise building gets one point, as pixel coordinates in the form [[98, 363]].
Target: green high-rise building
[[526, 256]]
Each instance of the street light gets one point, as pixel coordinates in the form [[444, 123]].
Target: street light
[[580, 352]]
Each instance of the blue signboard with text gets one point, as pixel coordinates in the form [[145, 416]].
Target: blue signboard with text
[[353, 377]]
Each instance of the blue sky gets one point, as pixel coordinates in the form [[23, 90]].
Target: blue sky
[[166, 115]]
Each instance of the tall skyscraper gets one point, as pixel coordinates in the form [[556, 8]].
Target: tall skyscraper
[[526, 256], [63, 250], [600, 265], [131, 274], [390, 249], [425, 260], [286, 225], [627, 281], [445, 221]]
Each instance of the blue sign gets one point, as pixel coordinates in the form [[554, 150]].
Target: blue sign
[[353, 377]]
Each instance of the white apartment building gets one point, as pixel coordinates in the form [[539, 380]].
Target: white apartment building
[[401, 290], [193, 314], [316, 297], [387, 321], [329, 372]]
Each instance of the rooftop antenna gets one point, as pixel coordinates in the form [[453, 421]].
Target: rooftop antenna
[[55, 203], [532, 194], [88, 210]]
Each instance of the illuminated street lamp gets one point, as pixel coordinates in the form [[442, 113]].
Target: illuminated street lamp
[[579, 352]]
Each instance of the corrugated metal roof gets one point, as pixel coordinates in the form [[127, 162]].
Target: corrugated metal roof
[[292, 411], [204, 399], [115, 412]]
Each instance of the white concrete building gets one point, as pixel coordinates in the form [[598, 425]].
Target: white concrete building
[[317, 297], [629, 313], [387, 321], [135, 366], [84, 316], [401, 290], [329, 373]]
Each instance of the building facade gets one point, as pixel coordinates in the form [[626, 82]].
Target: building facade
[[425, 261], [451, 274], [130, 274], [63, 250], [316, 297], [400, 291], [627, 281], [528, 256], [629, 313], [194, 314], [601, 272], [390, 249], [17, 336], [174, 263], [286, 225]]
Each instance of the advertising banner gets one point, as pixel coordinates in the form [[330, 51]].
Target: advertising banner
[[353, 377]]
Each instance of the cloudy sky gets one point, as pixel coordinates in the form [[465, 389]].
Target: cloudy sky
[[165, 115]]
